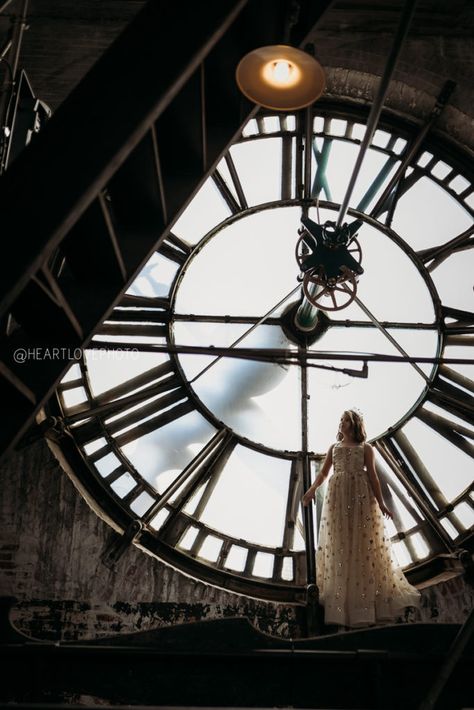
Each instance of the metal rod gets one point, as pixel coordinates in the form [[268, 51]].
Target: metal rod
[[308, 152], [247, 332], [391, 456], [193, 318], [413, 148], [9, 80], [405, 20], [186, 473], [306, 476], [4, 5], [272, 354], [390, 337]]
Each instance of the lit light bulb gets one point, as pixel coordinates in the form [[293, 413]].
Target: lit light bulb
[[280, 77], [281, 73]]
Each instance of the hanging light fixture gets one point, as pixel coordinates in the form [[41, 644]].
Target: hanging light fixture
[[280, 77]]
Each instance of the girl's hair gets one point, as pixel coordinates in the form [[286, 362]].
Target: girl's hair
[[358, 426]]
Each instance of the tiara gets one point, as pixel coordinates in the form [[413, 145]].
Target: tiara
[[357, 411]]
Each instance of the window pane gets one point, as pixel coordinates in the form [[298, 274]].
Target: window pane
[[427, 215], [210, 548], [207, 209], [245, 269], [168, 449], [258, 165], [249, 500], [105, 373], [384, 397], [453, 280], [155, 278], [450, 467], [263, 566], [236, 558]]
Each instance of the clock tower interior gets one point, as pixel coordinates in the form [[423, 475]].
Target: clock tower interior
[[194, 288]]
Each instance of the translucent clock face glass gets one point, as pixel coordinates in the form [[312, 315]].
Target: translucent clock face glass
[[205, 446], [249, 268]]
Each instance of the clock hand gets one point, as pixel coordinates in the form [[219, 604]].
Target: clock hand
[[383, 330], [376, 109], [247, 332]]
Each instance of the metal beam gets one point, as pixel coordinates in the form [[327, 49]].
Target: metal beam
[[402, 31], [144, 79]]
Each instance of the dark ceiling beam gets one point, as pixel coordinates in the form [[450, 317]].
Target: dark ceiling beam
[[86, 150], [59, 175]]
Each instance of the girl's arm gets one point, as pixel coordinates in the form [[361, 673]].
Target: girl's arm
[[323, 473], [369, 460]]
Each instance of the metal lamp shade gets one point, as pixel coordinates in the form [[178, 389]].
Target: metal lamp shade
[[280, 77]]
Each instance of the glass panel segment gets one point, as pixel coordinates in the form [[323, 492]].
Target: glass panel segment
[[450, 467], [258, 164], [155, 278], [287, 569], [159, 519], [465, 514], [107, 464], [249, 500], [453, 280], [106, 373], [263, 566], [207, 209], [449, 527], [210, 548], [188, 538], [384, 397], [245, 269], [427, 215], [142, 503], [421, 548], [73, 397], [123, 485], [236, 558], [161, 455]]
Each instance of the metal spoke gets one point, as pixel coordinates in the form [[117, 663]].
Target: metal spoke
[[247, 332], [405, 20], [278, 355], [389, 337]]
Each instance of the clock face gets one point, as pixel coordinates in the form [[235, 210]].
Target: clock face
[[199, 398]]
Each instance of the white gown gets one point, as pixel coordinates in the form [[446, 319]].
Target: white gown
[[359, 585]]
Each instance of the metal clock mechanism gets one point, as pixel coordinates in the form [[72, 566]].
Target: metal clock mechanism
[[330, 259]]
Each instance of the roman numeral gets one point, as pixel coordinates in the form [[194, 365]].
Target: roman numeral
[[203, 471], [122, 401], [434, 256], [377, 183], [175, 249], [119, 399], [295, 492], [233, 194], [412, 472], [286, 166], [388, 200], [137, 316], [460, 328], [451, 391], [320, 182]]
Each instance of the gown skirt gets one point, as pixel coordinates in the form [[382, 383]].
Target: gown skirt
[[359, 583]]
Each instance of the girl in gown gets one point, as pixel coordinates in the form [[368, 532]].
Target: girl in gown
[[359, 585]]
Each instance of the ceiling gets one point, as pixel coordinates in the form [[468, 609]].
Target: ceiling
[[65, 37]]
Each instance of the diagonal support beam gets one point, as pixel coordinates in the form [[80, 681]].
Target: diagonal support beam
[[115, 123]]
